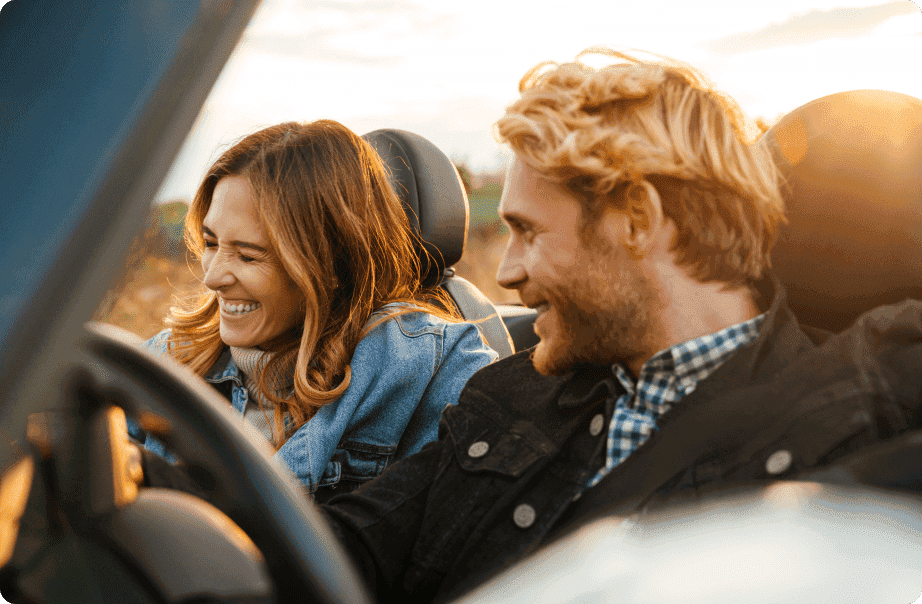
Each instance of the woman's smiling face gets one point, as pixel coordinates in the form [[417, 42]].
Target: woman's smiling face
[[259, 302]]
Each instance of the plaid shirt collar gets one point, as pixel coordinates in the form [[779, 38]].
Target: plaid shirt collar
[[664, 379], [675, 372]]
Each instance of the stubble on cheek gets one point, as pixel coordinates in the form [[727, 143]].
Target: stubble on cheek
[[601, 317]]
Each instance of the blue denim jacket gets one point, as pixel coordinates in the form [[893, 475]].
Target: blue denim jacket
[[404, 373]]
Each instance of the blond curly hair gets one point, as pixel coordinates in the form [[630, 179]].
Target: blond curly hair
[[604, 132]]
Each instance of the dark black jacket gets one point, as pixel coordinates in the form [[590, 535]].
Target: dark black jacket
[[443, 520]]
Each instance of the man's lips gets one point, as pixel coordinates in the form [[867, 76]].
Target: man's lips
[[541, 308], [537, 304]]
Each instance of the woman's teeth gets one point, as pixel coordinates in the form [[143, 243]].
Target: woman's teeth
[[241, 309]]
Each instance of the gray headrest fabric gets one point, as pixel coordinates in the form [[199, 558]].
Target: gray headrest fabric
[[432, 193], [853, 166]]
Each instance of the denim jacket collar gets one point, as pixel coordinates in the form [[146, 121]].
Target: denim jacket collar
[[224, 369]]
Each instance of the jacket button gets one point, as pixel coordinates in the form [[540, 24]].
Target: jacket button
[[478, 449], [523, 516], [595, 426], [778, 462]]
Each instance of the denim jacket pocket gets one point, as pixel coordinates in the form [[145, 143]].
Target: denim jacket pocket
[[485, 448], [356, 461]]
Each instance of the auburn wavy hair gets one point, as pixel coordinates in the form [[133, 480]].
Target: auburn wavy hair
[[340, 232], [604, 132]]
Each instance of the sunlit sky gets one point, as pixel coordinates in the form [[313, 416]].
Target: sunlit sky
[[446, 70]]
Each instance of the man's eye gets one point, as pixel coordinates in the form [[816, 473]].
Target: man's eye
[[526, 235], [247, 258], [525, 231]]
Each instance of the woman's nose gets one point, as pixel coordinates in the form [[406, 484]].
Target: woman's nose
[[217, 271]]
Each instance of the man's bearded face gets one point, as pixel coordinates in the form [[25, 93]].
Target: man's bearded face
[[593, 301], [597, 313]]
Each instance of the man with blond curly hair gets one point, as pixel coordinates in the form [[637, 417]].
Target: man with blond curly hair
[[641, 222], [640, 216]]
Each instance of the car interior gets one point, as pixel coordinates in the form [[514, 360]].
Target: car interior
[[82, 157], [436, 204]]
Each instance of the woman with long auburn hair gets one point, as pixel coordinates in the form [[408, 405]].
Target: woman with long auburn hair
[[316, 326]]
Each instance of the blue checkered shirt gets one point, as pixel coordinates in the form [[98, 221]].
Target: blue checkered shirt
[[664, 379]]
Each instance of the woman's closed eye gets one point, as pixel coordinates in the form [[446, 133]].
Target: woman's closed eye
[[243, 257]]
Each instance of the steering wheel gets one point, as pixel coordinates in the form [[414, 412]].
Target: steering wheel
[[305, 560]]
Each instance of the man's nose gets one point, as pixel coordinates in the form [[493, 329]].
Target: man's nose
[[510, 274], [217, 272]]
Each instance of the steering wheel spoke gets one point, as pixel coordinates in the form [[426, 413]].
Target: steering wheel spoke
[[256, 539], [259, 497]]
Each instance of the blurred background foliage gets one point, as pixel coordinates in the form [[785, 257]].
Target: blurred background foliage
[[157, 270]]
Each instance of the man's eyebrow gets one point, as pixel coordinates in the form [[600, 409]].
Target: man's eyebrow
[[516, 222], [244, 244]]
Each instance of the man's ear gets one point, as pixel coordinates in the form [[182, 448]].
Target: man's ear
[[644, 210]]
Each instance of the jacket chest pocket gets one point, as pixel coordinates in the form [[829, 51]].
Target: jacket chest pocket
[[485, 449], [481, 469], [356, 462]]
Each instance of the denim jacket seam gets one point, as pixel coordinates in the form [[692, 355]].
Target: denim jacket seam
[[433, 330], [426, 325], [439, 353], [363, 446], [344, 474], [229, 371]]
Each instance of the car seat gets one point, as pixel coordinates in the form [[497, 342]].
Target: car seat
[[852, 164], [436, 204]]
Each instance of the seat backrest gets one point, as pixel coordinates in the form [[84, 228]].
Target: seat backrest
[[436, 204], [853, 166]]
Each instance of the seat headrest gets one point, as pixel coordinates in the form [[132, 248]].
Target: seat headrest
[[853, 164], [433, 196]]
